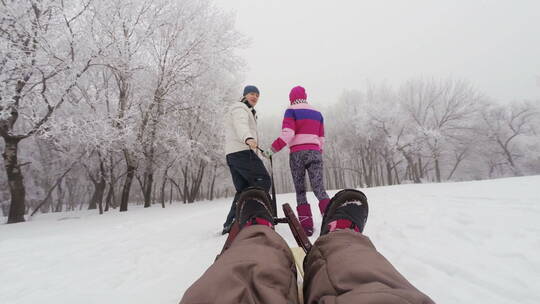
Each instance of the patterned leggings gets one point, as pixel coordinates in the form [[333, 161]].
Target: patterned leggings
[[311, 161]]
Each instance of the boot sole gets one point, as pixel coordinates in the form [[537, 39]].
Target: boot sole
[[343, 196], [256, 193]]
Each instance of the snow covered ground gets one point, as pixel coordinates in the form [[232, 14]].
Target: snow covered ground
[[470, 242]]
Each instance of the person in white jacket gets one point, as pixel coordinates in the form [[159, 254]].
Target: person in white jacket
[[241, 143]]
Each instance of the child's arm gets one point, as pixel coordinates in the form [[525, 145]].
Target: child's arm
[[288, 130]]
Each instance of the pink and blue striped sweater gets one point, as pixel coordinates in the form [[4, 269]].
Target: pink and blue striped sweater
[[303, 129]]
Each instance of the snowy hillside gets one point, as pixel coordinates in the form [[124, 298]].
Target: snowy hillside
[[471, 242]]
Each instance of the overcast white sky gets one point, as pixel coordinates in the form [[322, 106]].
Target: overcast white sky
[[330, 46]]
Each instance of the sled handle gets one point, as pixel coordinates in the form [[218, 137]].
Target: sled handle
[[298, 232]]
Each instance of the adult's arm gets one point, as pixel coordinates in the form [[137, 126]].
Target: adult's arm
[[241, 123]]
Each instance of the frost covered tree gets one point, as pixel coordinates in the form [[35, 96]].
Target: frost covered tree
[[158, 53], [123, 28], [502, 127], [426, 130], [41, 61], [188, 50], [383, 119], [103, 82], [442, 113]]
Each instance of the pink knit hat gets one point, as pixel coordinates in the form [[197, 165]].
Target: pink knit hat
[[296, 93]]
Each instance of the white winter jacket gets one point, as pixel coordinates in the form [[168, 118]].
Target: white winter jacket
[[240, 124]]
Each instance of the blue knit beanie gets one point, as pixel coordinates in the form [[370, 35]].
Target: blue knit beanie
[[251, 89]]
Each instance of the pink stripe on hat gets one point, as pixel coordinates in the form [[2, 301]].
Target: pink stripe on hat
[[296, 93]]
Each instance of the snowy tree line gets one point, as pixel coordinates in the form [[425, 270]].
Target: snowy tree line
[[106, 102], [103, 103], [426, 130]]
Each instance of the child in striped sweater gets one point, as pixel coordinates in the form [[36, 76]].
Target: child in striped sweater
[[303, 132]]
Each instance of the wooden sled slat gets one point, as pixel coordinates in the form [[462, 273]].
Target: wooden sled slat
[[235, 229], [298, 232], [299, 255]]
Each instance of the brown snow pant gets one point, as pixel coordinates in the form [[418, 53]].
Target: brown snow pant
[[343, 267]]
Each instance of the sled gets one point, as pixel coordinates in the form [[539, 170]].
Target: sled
[[290, 218], [304, 245], [298, 232], [235, 229], [299, 253]]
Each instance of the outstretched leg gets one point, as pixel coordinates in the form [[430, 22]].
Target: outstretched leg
[[258, 267], [344, 267]]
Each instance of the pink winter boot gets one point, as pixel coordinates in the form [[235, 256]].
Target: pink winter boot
[[306, 220], [323, 204]]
